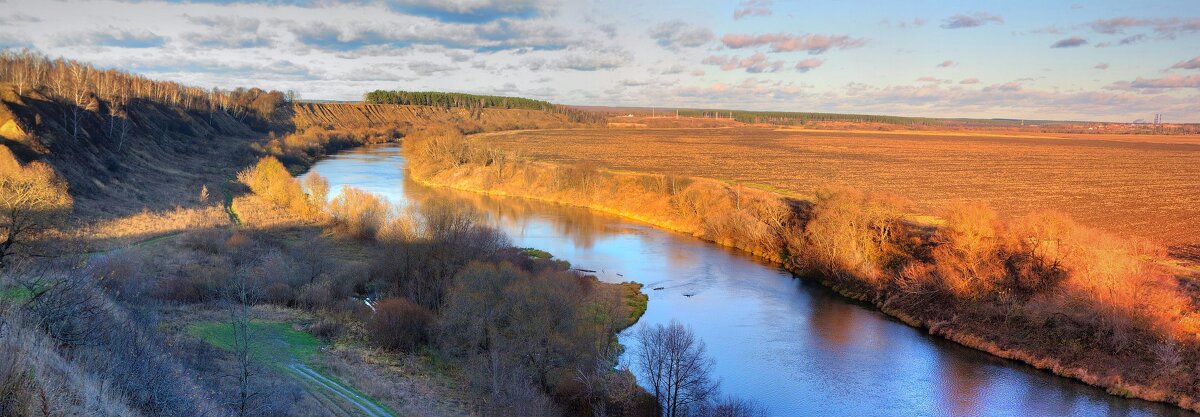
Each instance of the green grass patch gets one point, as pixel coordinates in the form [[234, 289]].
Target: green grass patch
[[271, 342], [536, 253], [635, 299], [15, 293]]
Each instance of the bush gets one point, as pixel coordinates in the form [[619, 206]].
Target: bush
[[853, 233], [315, 296], [968, 251], [33, 199], [359, 214], [318, 190], [327, 328], [270, 180], [399, 324], [199, 283]]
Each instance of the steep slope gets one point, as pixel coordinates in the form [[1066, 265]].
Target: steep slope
[[355, 116], [147, 155]]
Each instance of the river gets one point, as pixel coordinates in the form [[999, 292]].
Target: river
[[790, 344]]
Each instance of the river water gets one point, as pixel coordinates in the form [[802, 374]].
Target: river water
[[787, 343]]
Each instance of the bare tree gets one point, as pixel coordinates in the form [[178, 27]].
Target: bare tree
[[241, 294], [676, 367]]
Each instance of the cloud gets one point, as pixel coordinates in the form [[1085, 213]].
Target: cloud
[[1168, 82], [780, 42], [1101, 66], [593, 61], [947, 64], [675, 33], [969, 81], [472, 11], [263, 69], [1193, 63], [752, 8], [905, 24], [18, 18], [1052, 29], [500, 35], [227, 32], [960, 21], [1011, 86], [114, 37], [1166, 28], [425, 69], [806, 65], [674, 69], [1128, 40], [935, 80], [608, 29], [374, 74], [10, 40], [1010, 99], [754, 64], [1071, 42], [747, 91]]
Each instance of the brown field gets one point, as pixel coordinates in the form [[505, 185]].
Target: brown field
[[1146, 186]]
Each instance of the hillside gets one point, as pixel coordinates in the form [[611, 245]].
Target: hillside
[[117, 163], [153, 156], [353, 116], [139, 224]]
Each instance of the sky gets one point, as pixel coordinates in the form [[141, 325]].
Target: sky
[[1078, 60]]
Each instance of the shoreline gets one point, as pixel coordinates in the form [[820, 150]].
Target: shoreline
[[947, 330]]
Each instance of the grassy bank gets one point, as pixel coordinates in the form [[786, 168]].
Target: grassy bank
[[1038, 289]]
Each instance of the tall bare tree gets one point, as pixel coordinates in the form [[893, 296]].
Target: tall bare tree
[[241, 295], [676, 367]]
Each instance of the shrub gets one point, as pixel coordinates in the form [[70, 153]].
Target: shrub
[[270, 180], [315, 296], [327, 328], [33, 199], [279, 293], [359, 214], [853, 233], [198, 283], [967, 255], [399, 324], [318, 190]]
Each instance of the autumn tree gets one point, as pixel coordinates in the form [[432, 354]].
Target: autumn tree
[[33, 200]]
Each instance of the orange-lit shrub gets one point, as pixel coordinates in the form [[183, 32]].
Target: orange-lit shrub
[[359, 214], [851, 233], [967, 257]]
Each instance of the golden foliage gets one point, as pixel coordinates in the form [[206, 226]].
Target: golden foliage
[[33, 199], [359, 214]]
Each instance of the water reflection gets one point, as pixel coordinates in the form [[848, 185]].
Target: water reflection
[[791, 344]]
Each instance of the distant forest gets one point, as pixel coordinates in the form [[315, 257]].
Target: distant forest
[[434, 98], [476, 103], [789, 118]]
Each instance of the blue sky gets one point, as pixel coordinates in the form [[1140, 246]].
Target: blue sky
[[1098, 60]]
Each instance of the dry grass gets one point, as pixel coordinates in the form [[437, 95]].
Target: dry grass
[[1130, 185]]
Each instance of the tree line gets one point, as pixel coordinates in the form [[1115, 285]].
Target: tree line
[[795, 118], [87, 87], [449, 100], [476, 103]]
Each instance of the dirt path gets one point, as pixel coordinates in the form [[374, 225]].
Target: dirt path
[[329, 386]]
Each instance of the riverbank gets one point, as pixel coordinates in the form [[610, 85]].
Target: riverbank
[[708, 209]]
